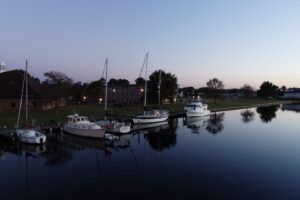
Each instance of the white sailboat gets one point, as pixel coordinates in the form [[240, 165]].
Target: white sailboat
[[152, 116], [28, 135], [111, 126]]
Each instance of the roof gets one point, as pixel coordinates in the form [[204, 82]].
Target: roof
[[11, 85]]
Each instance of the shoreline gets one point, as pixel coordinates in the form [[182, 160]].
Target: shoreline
[[182, 114], [254, 105]]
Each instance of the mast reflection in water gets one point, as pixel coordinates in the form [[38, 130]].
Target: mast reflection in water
[[179, 159]]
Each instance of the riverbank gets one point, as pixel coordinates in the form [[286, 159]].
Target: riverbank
[[95, 112]]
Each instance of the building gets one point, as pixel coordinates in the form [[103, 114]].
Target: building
[[125, 94], [292, 93], [11, 88]]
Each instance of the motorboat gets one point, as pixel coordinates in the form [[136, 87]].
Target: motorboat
[[196, 109], [30, 134], [153, 116], [81, 126]]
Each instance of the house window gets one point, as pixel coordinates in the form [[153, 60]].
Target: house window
[[13, 105]]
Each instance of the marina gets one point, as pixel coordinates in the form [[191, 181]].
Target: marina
[[145, 160]]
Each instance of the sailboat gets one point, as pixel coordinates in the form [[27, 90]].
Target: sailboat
[[28, 135], [152, 116], [111, 126]]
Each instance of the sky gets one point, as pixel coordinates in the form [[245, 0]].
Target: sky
[[236, 41]]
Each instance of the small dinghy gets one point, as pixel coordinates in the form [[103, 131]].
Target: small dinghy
[[31, 136], [114, 126], [111, 137]]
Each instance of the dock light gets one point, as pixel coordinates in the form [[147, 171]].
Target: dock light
[[114, 90], [142, 90], [100, 99], [84, 98]]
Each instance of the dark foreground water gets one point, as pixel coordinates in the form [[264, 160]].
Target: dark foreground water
[[241, 154]]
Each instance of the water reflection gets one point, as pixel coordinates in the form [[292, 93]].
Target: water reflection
[[247, 116], [267, 113], [215, 123], [165, 138], [291, 107], [196, 123]]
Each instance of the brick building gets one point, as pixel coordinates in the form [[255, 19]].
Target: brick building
[[125, 94], [11, 88]]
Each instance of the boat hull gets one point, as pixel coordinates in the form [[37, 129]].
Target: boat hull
[[91, 133], [197, 114], [149, 120], [23, 137]]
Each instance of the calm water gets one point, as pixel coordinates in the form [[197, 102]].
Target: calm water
[[241, 154]]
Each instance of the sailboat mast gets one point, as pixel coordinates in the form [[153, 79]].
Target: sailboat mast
[[106, 66], [159, 85], [21, 100], [146, 65], [26, 94]]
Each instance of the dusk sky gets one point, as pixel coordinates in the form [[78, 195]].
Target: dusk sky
[[236, 41]]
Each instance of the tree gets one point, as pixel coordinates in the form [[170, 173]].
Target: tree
[[95, 89], [215, 85], [58, 86], [247, 90], [114, 81], [168, 88], [140, 81], [268, 89]]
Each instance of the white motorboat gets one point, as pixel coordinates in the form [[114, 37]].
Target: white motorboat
[[153, 116], [29, 135], [81, 126], [196, 109]]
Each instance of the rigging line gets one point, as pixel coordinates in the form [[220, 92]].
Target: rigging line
[[144, 63], [103, 71], [136, 162], [21, 101]]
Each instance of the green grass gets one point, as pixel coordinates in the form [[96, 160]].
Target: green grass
[[51, 117]]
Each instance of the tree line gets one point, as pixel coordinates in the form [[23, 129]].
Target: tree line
[[58, 85]]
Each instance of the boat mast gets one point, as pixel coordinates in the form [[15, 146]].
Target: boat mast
[[106, 66], [26, 95], [159, 84], [21, 100], [146, 65]]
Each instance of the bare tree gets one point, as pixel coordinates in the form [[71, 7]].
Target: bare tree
[[215, 85]]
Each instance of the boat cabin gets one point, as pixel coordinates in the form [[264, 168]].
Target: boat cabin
[[77, 119]]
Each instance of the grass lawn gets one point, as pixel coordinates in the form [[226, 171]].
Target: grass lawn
[[51, 117]]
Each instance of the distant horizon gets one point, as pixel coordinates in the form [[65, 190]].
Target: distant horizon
[[235, 41]]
